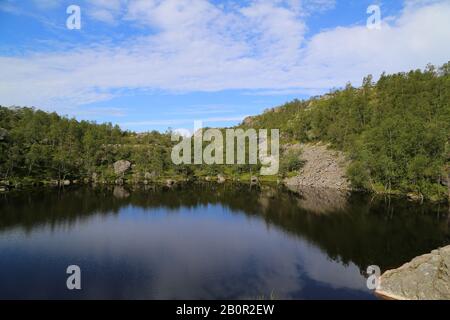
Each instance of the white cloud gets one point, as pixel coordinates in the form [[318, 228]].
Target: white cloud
[[107, 11], [199, 46], [178, 121]]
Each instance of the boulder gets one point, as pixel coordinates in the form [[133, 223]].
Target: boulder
[[121, 167], [2, 189], [426, 277], [221, 178], [170, 182], [65, 182], [413, 196], [254, 179]]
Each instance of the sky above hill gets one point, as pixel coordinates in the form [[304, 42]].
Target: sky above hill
[[154, 64]]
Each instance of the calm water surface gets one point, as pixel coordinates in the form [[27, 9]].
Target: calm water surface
[[207, 242]]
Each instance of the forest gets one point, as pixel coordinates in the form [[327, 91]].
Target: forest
[[396, 131]]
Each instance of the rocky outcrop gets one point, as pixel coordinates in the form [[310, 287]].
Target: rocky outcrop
[[424, 278], [324, 168], [121, 167]]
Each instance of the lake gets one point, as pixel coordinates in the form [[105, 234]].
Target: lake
[[207, 241]]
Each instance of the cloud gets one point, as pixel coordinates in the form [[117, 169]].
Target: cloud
[[107, 11], [200, 46], [178, 121]]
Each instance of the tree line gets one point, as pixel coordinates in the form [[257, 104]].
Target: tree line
[[396, 131]]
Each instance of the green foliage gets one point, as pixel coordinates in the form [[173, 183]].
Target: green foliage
[[290, 162], [396, 130], [44, 146]]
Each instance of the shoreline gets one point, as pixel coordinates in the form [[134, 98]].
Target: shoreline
[[172, 181]]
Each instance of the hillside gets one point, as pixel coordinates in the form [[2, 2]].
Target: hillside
[[395, 131]]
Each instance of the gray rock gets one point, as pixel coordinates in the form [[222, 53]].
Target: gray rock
[[121, 166], [426, 277], [170, 182], [221, 178], [65, 182], [2, 189], [254, 179]]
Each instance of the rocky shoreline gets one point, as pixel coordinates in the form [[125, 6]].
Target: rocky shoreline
[[426, 277]]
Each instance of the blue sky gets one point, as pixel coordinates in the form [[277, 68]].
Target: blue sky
[[154, 64]]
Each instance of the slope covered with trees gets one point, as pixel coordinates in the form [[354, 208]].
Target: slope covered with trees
[[396, 131], [36, 145]]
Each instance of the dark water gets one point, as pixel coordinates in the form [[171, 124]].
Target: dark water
[[207, 242]]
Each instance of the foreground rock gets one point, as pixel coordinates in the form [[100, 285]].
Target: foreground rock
[[324, 168], [424, 278]]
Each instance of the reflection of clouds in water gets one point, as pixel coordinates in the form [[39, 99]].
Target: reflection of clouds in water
[[335, 274], [194, 254]]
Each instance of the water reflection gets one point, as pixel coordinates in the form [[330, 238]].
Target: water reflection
[[206, 242]]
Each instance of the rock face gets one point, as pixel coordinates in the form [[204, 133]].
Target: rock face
[[121, 166], [424, 278], [323, 168]]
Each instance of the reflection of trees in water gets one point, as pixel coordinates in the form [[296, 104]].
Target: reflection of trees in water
[[348, 228]]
